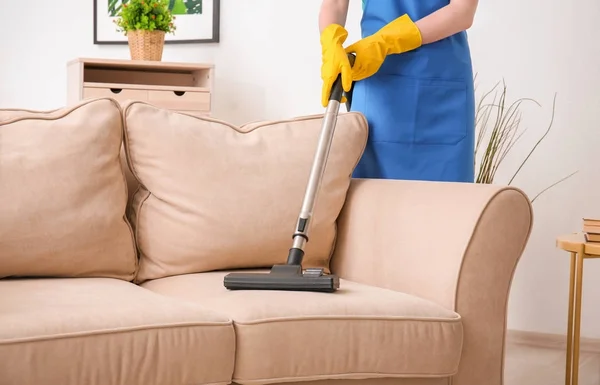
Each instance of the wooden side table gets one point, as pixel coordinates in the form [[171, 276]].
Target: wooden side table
[[580, 250]]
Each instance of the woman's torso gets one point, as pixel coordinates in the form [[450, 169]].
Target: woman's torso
[[448, 59]]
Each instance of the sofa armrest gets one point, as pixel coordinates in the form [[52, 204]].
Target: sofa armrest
[[456, 244]]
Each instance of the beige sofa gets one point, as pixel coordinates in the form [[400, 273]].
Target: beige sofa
[[112, 257]]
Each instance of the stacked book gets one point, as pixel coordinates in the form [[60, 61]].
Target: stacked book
[[591, 230]]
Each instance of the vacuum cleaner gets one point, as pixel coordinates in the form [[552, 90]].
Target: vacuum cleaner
[[291, 276]]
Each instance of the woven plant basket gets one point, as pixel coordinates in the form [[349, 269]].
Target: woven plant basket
[[146, 45]]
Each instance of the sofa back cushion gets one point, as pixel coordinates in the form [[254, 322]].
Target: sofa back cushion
[[63, 193], [214, 196]]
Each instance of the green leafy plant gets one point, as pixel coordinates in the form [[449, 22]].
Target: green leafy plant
[[499, 128], [177, 7], [147, 15]]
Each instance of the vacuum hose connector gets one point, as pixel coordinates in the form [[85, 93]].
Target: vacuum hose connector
[[295, 256]]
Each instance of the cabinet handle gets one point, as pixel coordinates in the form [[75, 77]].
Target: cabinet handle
[[179, 93], [116, 90]]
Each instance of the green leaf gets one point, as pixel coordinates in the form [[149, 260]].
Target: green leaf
[[194, 7], [179, 8]]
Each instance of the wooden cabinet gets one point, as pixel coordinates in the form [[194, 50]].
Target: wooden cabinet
[[185, 87]]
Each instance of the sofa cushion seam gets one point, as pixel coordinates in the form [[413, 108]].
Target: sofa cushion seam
[[104, 332], [350, 318], [348, 375]]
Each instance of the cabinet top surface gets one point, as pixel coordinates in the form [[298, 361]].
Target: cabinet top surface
[[141, 64]]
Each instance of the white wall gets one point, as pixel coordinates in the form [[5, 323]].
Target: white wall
[[537, 47]]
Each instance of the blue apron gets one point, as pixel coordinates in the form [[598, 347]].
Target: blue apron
[[420, 104]]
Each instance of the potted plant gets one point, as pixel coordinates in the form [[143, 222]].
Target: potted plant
[[499, 128], [145, 23]]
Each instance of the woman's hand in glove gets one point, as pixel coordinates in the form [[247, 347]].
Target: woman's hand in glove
[[335, 61], [401, 35]]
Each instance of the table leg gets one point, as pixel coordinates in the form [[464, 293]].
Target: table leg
[[569, 363], [577, 317]]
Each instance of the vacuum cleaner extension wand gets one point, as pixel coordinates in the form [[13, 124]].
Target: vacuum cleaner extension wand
[[291, 276]]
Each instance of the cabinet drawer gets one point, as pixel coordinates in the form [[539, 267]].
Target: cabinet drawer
[[180, 100], [120, 94]]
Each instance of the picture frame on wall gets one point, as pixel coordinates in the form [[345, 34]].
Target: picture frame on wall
[[197, 21]]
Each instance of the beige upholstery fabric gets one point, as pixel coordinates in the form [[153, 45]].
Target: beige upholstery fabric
[[357, 332], [380, 381], [215, 196], [62, 211], [12, 113], [457, 244], [99, 331]]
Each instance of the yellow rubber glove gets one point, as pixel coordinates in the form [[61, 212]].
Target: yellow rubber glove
[[335, 61], [400, 35]]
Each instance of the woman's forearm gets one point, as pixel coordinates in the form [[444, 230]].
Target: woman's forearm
[[453, 18], [333, 12]]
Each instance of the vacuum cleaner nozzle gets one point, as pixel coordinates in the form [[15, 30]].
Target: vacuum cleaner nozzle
[[284, 277]]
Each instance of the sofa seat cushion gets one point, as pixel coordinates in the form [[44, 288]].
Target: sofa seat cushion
[[358, 332], [103, 331]]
